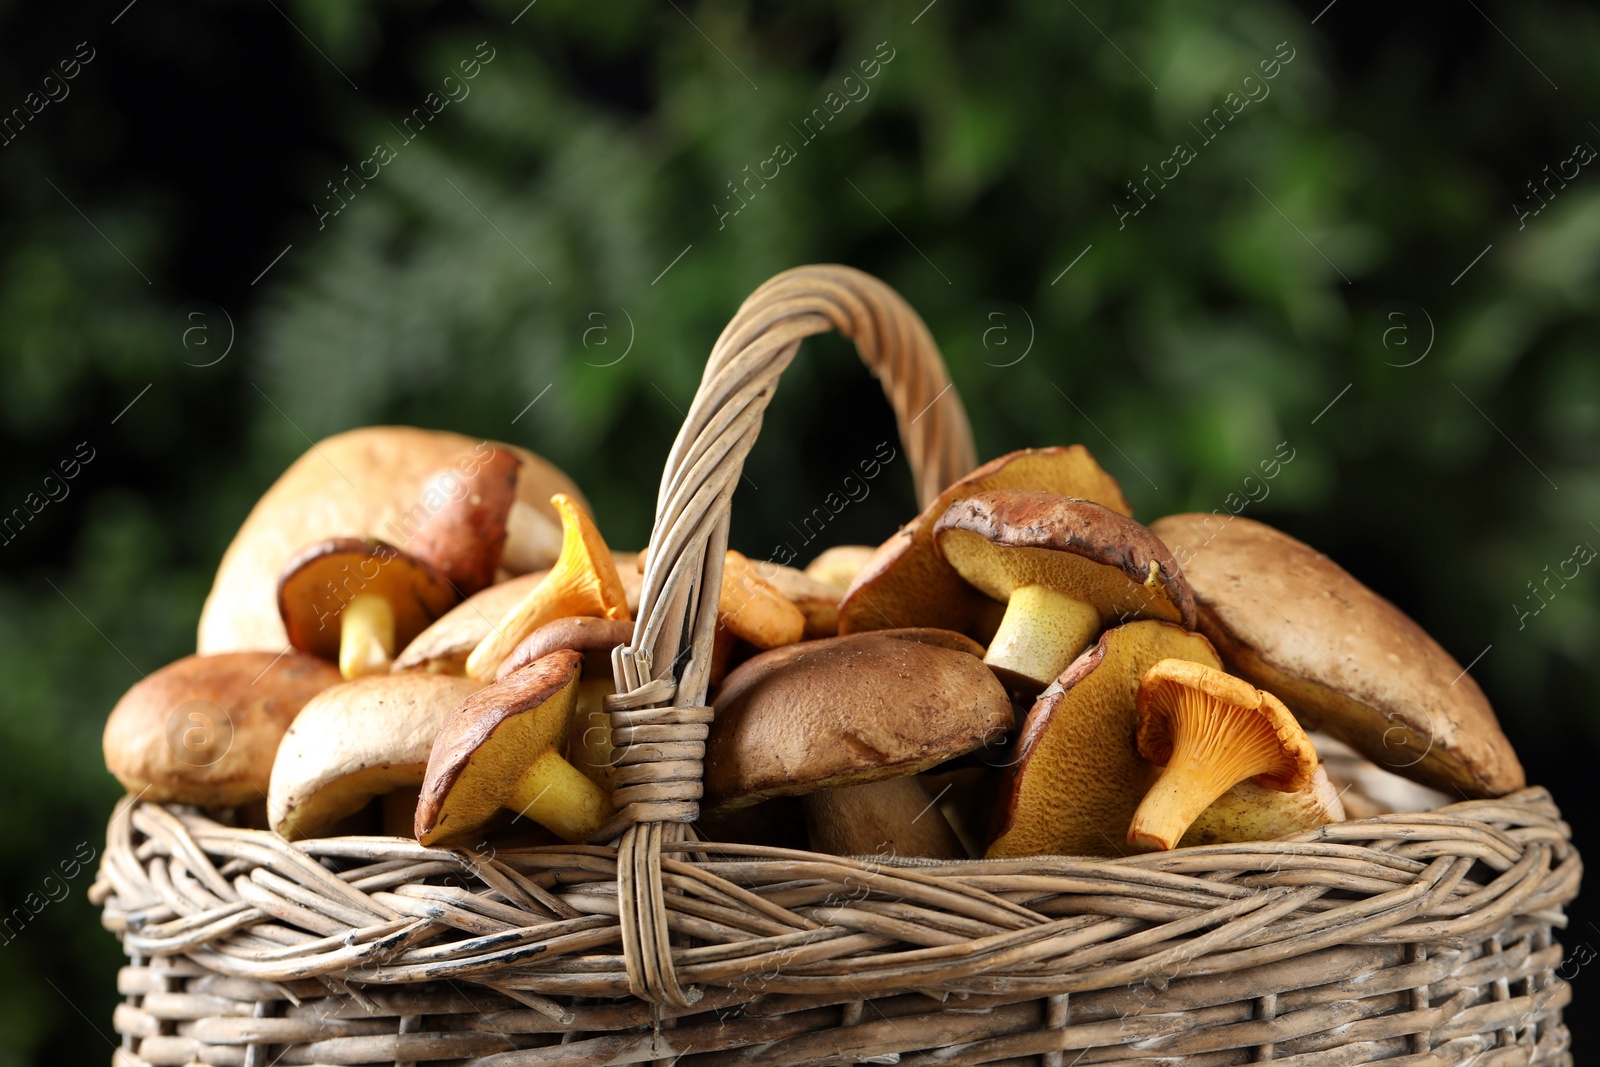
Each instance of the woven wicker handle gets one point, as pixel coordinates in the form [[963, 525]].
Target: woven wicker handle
[[659, 718]]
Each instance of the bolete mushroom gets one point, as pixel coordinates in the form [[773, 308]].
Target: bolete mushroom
[[375, 482], [501, 749], [204, 729], [849, 722], [1289, 620], [1064, 569], [584, 581], [465, 536], [589, 740], [355, 601], [352, 743], [907, 582], [1209, 731]]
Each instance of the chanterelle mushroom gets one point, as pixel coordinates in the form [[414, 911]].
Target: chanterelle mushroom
[[584, 581], [849, 721], [1288, 619], [907, 582], [1064, 569], [1210, 731], [501, 748], [444, 646], [356, 601], [357, 741], [372, 482], [204, 729]]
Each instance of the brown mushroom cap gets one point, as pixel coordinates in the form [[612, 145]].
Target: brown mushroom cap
[[593, 637], [356, 741], [1078, 778], [1000, 541], [321, 581], [204, 729], [445, 645], [907, 583], [501, 748], [466, 534], [364, 483], [1288, 619], [1064, 568], [849, 710]]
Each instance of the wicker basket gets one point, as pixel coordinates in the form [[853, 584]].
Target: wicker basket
[[1407, 939]]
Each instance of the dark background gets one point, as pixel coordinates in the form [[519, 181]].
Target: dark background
[[1304, 279]]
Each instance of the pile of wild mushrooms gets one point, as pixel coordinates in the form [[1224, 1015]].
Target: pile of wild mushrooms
[[411, 634]]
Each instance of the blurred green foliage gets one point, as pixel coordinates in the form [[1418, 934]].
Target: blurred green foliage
[[570, 206]]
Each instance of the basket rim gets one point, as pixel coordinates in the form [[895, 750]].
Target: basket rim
[[1438, 879]]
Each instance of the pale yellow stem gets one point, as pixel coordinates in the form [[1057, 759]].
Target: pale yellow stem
[[556, 795], [1042, 633], [366, 636]]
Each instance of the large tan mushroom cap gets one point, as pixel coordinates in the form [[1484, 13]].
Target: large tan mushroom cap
[[1078, 778], [444, 647], [907, 583], [204, 730], [358, 741], [369, 482], [1288, 619], [847, 711]]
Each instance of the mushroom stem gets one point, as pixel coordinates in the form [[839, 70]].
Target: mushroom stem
[[893, 815], [1173, 804], [366, 636], [556, 795], [1213, 750], [1042, 632]]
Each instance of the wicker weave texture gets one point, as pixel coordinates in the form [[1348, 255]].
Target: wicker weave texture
[[1416, 938]]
